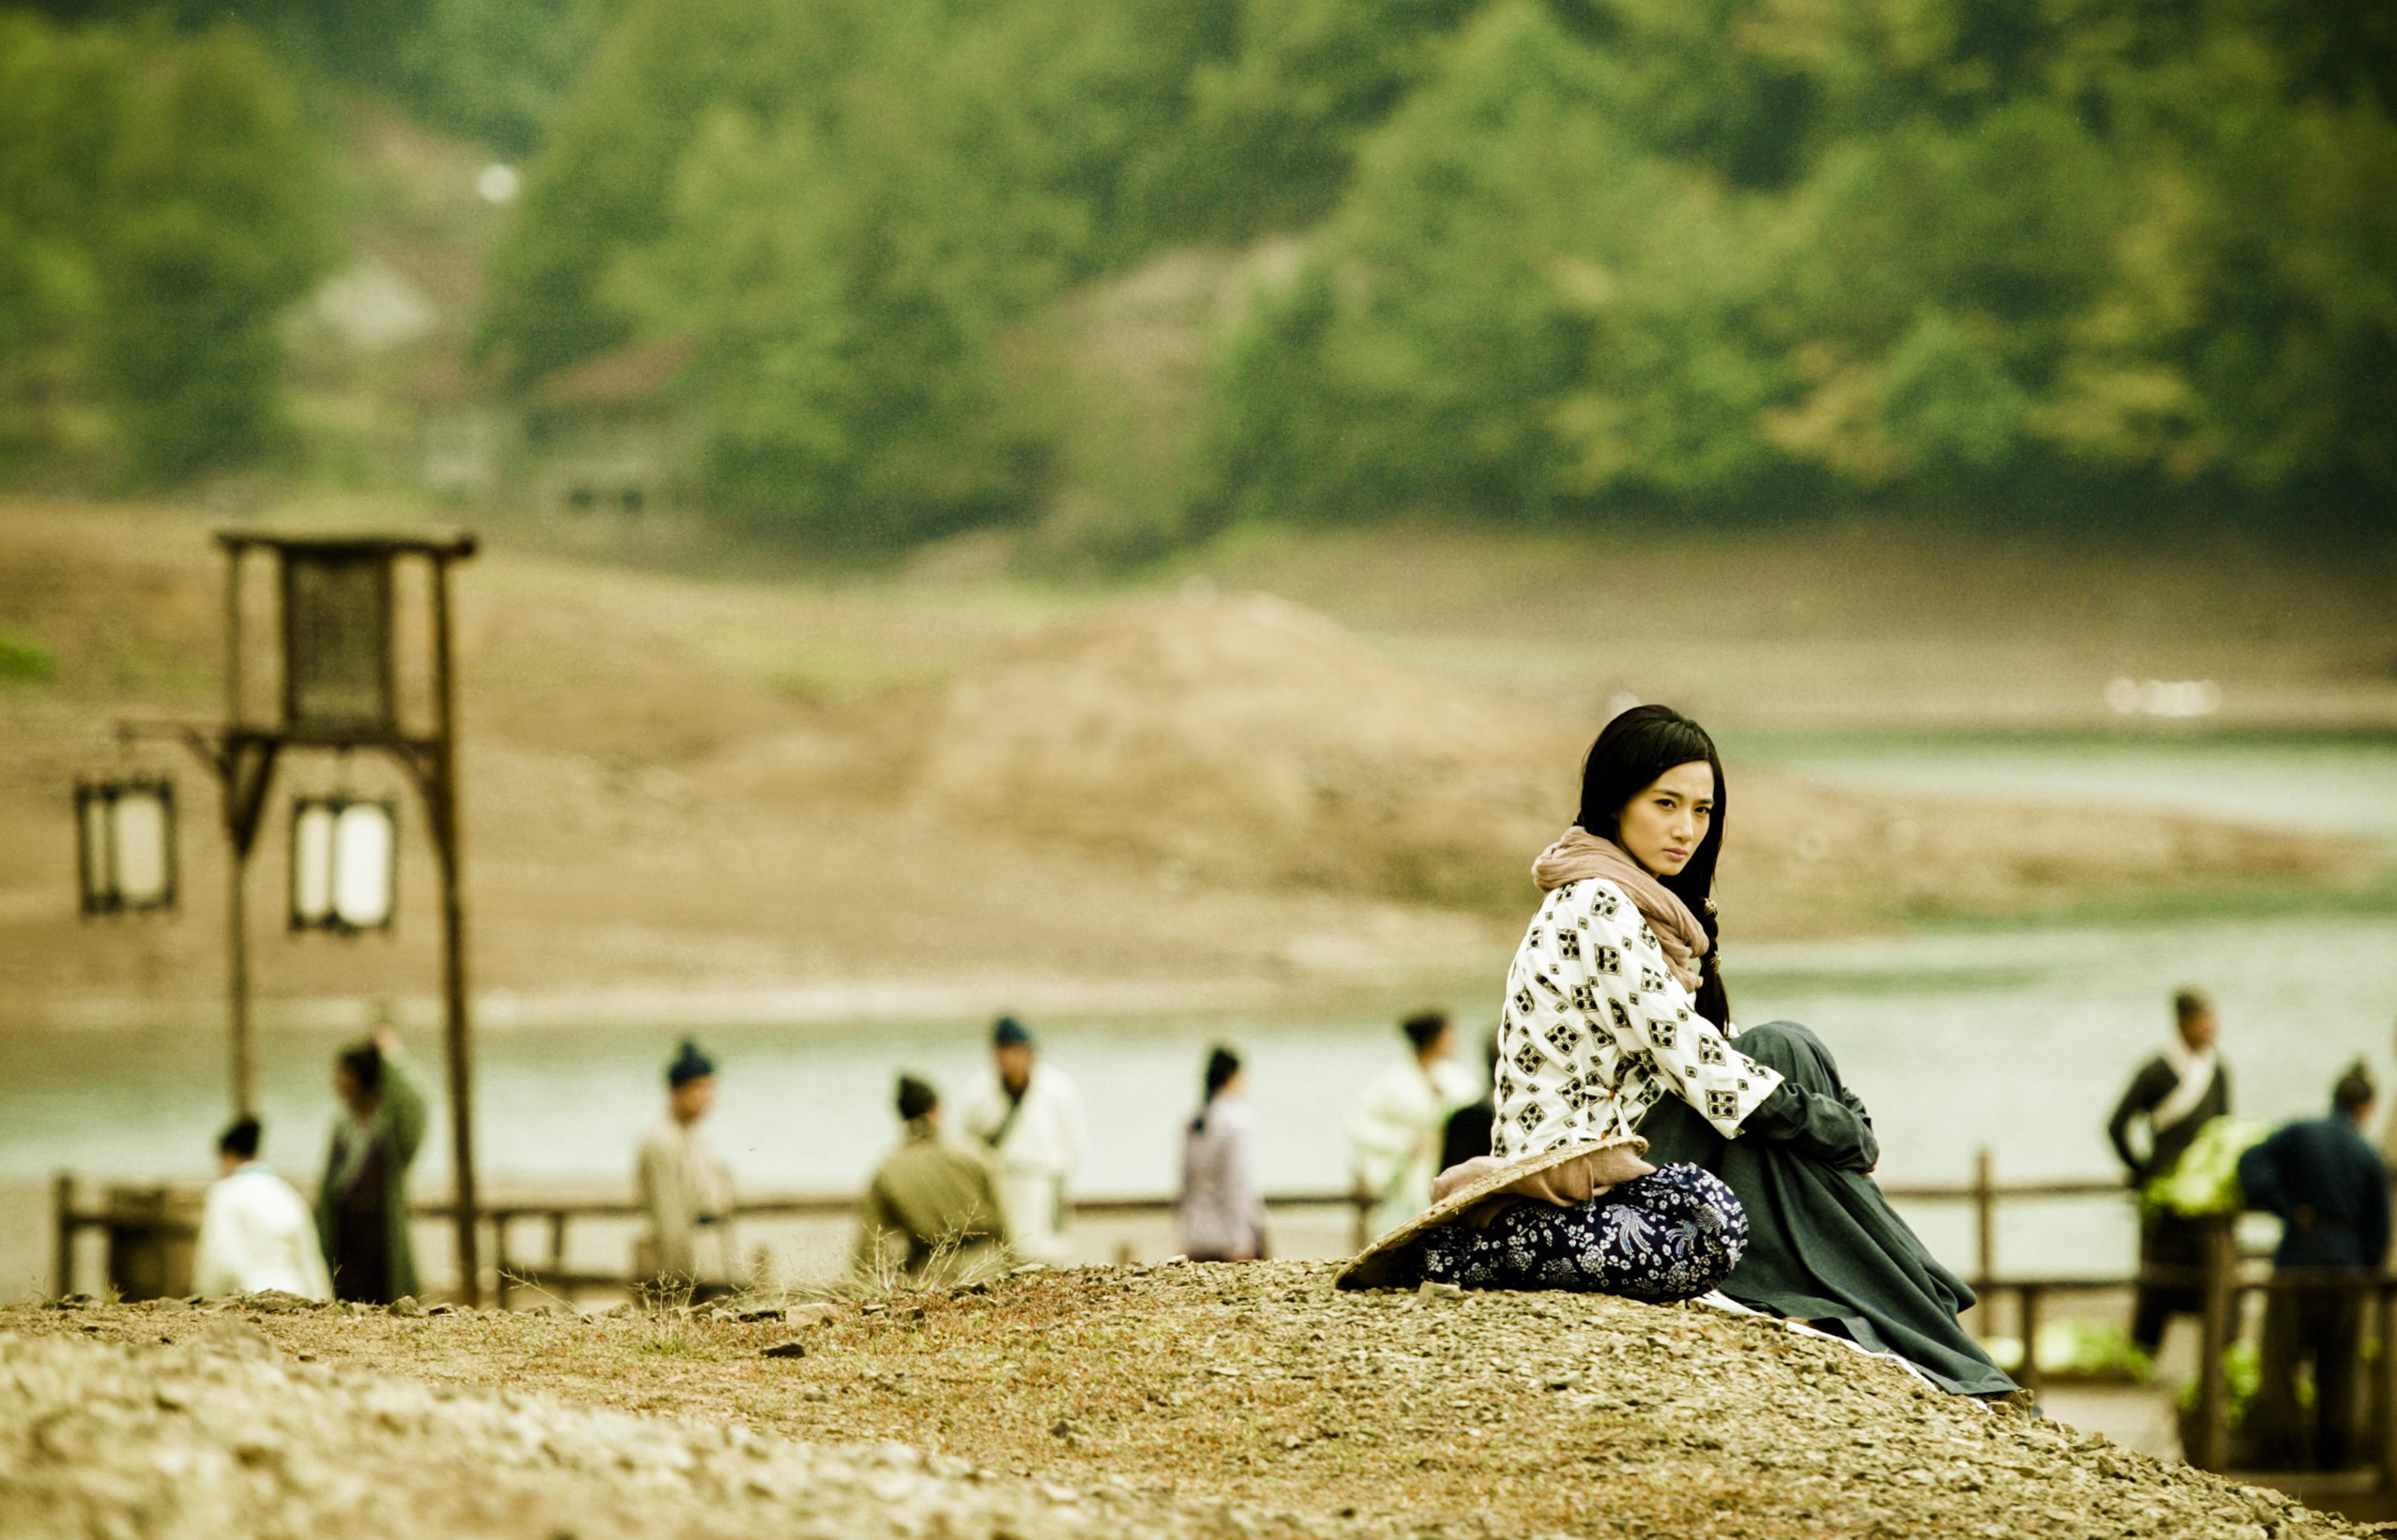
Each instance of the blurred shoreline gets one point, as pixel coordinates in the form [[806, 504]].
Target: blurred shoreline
[[1283, 769]]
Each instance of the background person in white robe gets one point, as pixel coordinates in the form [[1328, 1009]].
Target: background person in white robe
[[256, 1231], [685, 1188], [1395, 1133], [1029, 1116]]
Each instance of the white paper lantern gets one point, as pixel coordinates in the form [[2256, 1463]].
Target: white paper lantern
[[125, 844], [344, 865]]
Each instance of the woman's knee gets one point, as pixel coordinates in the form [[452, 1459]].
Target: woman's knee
[[1717, 1217], [1677, 1234], [1789, 1047]]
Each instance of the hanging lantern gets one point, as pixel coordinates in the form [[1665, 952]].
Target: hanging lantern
[[344, 868], [125, 843]]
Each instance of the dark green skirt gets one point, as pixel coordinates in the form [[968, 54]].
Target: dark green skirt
[[1824, 1247]]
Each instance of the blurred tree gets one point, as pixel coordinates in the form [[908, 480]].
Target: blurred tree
[[851, 208], [499, 70], [1715, 257], [1278, 113], [2288, 255], [604, 186], [357, 39], [215, 222], [1521, 308], [1736, 254], [160, 206], [61, 98], [849, 358]]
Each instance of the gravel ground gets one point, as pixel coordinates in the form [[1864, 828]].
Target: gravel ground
[[223, 1437], [1171, 1401]]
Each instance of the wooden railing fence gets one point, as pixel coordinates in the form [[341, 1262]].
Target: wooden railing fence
[[2226, 1280]]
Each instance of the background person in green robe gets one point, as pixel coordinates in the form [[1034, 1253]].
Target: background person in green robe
[[934, 1201], [362, 1207]]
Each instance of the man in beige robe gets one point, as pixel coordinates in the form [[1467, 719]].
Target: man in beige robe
[[685, 1189]]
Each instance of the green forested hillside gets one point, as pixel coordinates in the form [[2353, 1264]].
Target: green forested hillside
[[2024, 258], [1566, 262], [1730, 258]]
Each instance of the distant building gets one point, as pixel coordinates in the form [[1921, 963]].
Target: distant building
[[466, 434], [610, 436]]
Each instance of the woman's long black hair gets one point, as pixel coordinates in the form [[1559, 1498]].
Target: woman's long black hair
[[1631, 751], [1221, 1064]]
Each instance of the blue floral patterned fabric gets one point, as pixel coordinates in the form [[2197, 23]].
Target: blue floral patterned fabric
[[1672, 1234]]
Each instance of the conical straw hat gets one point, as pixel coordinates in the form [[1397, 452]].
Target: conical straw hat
[[1378, 1265]]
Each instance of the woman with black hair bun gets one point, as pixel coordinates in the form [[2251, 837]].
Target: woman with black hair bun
[[1222, 1207], [1618, 1023]]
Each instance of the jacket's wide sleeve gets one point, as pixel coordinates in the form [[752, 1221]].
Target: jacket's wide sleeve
[[401, 1114], [2138, 1099]]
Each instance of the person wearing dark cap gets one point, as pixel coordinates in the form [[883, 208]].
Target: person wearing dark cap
[[932, 1203], [1029, 1115], [255, 1231], [2331, 1190], [685, 1188], [362, 1205]]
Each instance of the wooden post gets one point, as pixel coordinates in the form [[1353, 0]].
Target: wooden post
[[62, 1209], [448, 843], [2217, 1325], [245, 1053], [2384, 1400], [1986, 1233], [2027, 1313]]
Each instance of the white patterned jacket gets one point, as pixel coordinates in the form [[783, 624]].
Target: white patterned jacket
[[1597, 1030]]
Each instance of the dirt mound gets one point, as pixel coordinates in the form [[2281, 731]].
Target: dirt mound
[[701, 785], [224, 1440], [1279, 1407], [1250, 741]]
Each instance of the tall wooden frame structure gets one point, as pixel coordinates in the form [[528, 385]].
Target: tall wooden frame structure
[[337, 651]]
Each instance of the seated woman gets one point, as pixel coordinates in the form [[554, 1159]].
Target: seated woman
[[1610, 1032]]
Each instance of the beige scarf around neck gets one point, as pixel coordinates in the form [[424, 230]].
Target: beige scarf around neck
[[1582, 854]]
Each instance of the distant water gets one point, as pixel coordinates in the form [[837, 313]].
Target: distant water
[[2017, 1039], [2326, 785]]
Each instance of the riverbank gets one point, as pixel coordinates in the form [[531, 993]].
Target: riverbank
[[1169, 1401], [958, 788]]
